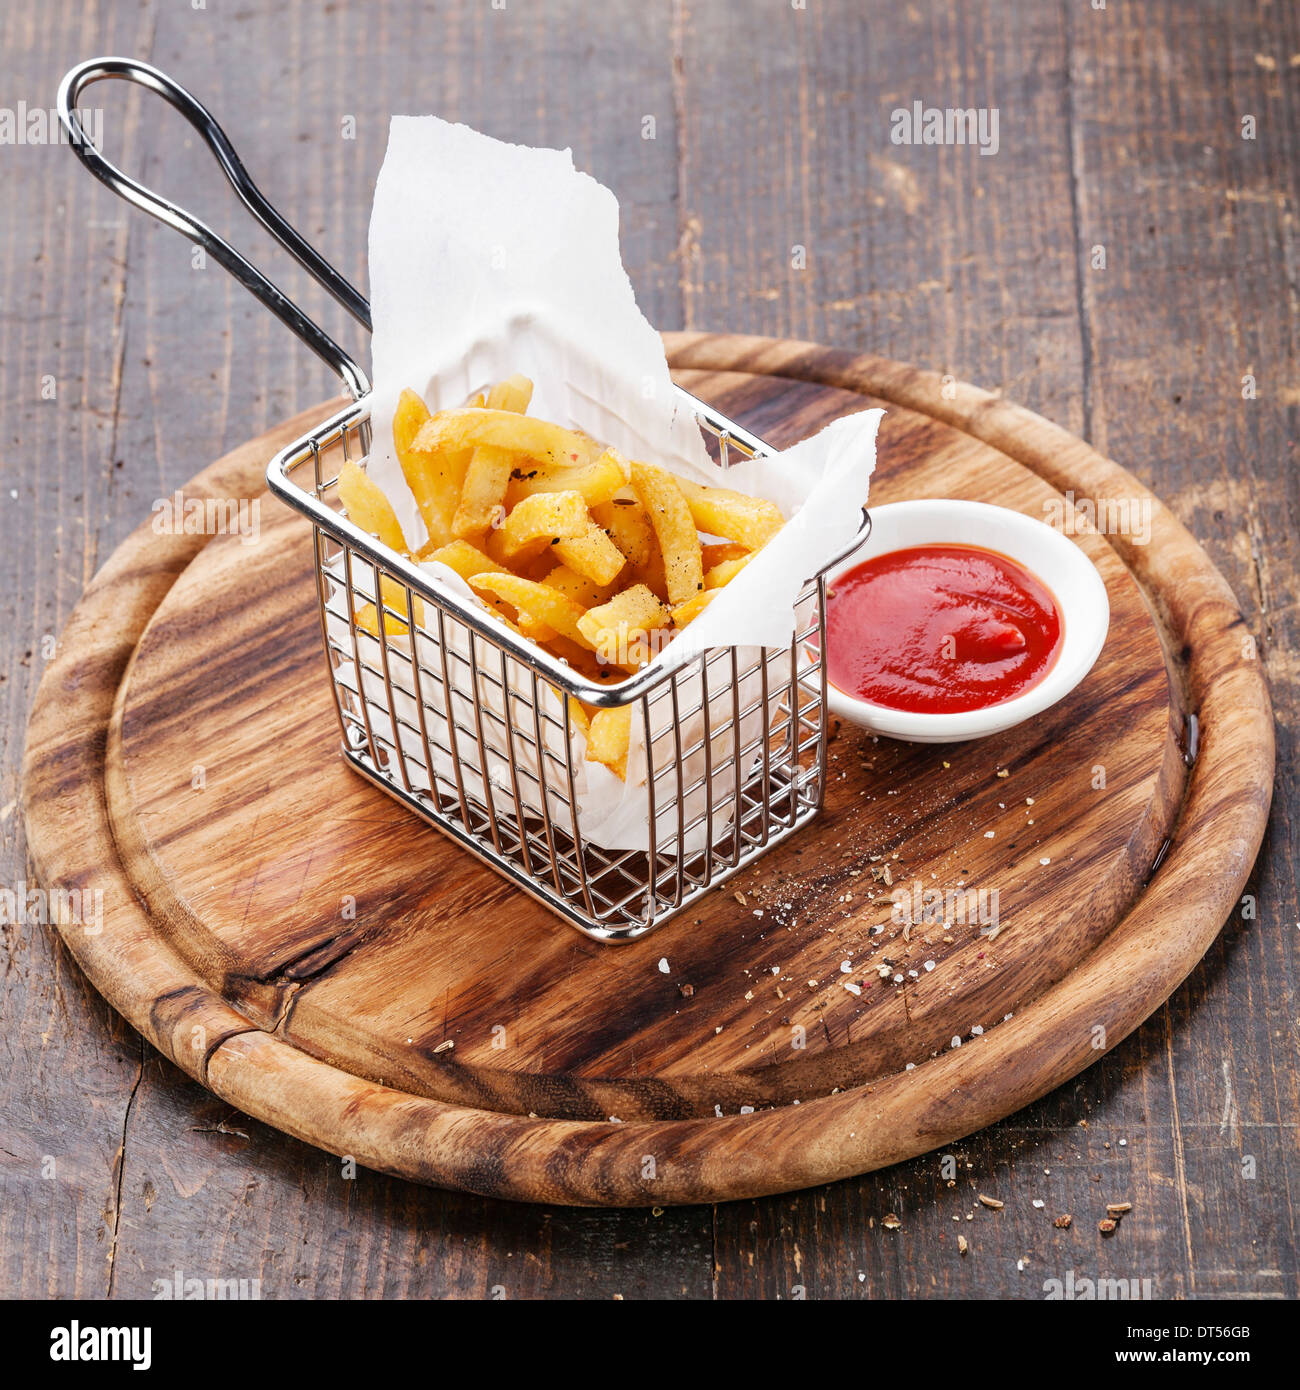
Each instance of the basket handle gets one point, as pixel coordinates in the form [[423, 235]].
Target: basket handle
[[129, 70]]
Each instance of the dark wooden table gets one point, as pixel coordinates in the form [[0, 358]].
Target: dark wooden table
[[1158, 136]]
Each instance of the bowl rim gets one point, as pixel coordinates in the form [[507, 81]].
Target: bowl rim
[[1083, 604]]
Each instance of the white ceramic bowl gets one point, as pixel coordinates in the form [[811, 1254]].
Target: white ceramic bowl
[[1046, 553]]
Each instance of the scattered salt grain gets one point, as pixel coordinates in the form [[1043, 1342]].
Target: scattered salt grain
[[663, 965], [956, 1041], [929, 965]]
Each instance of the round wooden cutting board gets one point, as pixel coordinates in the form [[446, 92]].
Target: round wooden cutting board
[[323, 960]]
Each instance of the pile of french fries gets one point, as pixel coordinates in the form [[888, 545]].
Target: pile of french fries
[[598, 559]]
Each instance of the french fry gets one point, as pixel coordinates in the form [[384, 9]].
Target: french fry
[[468, 428], [543, 517], [725, 571], [665, 504], [394, 595], [434, 479], [368, 508], [652, 576], [578, 716], [627, 525], [592, 554], [717, 551], [598, 480], [540, 603], [619, 630], [488, 471], [514, 393], [578, 587], [735, 516], [608, 739], [465, 559], [536, 630], [410, 414], [693, 607], [482, 495]]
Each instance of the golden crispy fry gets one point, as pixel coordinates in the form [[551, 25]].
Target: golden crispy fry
[[499, 611], [434, 479], [621, 630], [652, 576], [536, 630], [368, 508], [514, 393], [735, 516], [460, 556], [592, 554], [693, 607], [505, 429], [717, 551], [627, 525], [578, 587], [482, 496], [598, 480], [665, 504], [724, 572], [395, 598], [634, 607], [608, 738], [541, 518], [578, 716], [538, 602], [410, 414], [482, 500]]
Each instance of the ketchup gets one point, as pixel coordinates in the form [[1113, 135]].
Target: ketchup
[[938, 629]]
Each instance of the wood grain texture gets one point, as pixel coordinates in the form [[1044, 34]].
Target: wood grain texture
[[1119, 128], [336, 1072]]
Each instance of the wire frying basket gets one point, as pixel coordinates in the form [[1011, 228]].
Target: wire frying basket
[[467, 723]]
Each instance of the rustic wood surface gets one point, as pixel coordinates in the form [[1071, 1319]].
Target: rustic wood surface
[[1121, 129]]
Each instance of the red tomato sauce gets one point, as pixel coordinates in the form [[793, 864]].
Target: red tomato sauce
[[939, 629]]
